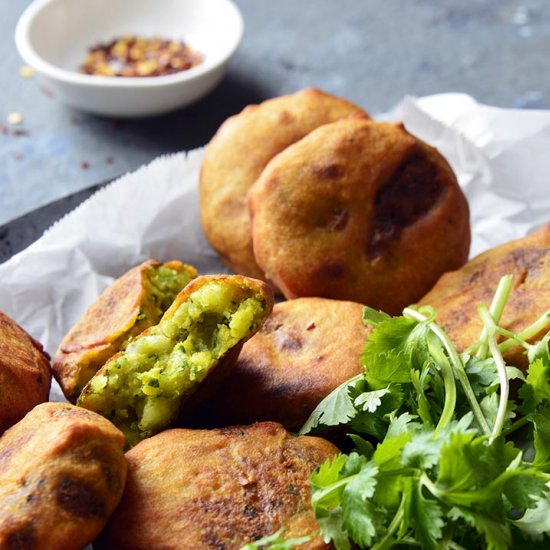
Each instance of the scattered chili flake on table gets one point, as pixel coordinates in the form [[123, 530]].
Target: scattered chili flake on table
[[138, 56]]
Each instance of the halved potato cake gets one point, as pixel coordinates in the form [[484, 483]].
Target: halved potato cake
[[142, 389], [134, 302]]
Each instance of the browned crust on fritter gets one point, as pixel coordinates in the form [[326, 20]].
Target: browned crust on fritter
[[217, 489], [456, 295], [62, 472], [96, 336], [305, 349], [238, 153], [25, 374], [359, 210]]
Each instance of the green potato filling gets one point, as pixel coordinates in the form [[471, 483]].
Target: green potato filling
[[142, 389], [161, 285]]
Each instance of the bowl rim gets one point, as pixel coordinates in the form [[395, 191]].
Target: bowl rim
[[36, 61]]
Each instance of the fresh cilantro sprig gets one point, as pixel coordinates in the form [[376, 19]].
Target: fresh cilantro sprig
[[446, 456]]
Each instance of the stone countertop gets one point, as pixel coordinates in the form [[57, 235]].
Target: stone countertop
[[373, 53]]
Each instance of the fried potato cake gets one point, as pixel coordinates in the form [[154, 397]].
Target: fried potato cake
[[238, 153], [306, 348], [143, 388], [352, 212], [134, 302], [456, 295], [213, 489], [62, 472], [25, 374]]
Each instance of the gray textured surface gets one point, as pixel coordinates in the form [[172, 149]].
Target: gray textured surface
[[372, 52]]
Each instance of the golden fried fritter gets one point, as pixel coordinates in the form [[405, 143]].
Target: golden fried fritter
[[362, 211], [238, 153], [134, 302], [25, 373], [62, 472], [456, 295], [215, 489], [305, 349], [142, 389]]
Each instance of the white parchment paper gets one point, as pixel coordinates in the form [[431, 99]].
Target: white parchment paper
[[501, 158]]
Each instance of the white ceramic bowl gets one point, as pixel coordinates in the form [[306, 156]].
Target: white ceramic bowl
[[54, 36]]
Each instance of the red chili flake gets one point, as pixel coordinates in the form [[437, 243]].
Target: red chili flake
[[18, 156], [136, 56], [84, 165], [115, 123], [310, 326], [109, 160], [47, 92], [3, 129]]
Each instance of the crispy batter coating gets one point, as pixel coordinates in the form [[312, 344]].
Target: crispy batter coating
[[25, 373], [62, 472], [305, 349], [238, 153], [163, 372], [132, 303], [456, 295], [217, 489], [351, 212]]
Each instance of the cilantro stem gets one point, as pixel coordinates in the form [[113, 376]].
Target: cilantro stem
[[497, 307], [459, 370], [392, 527], [542, 323], [516, 425], [469, 498], [319, 494], [490, 327], [450, 388]]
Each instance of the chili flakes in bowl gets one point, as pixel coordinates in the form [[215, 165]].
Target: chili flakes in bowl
[[136, 56]]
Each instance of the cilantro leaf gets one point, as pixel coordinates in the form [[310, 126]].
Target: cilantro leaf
[[369, 401], [336, 408], [422, 451], [322, 480], [536, 389], [276, 541], [522, 490], [541, 436], [497, 534], [360, 517], [393, 347], [426, 516], [540, 350], [535, 523], [332, 529]]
